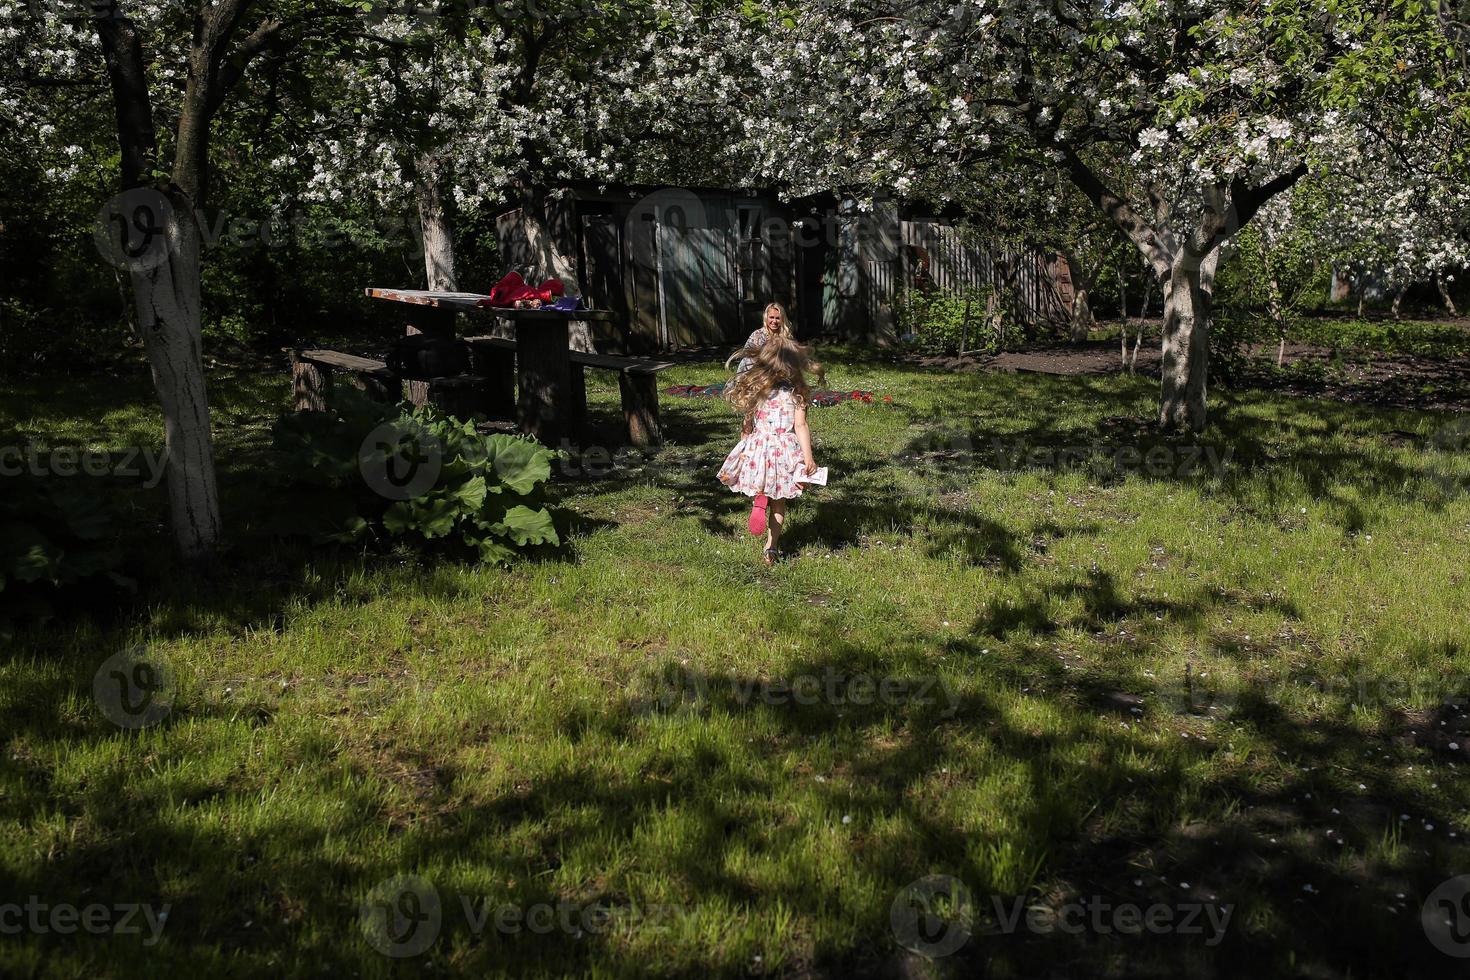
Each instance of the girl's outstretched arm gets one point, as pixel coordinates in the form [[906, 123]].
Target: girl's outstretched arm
[[804, 436]]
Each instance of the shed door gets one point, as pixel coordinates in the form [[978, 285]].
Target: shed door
[[645, 313], [603, 286], [696, 281]]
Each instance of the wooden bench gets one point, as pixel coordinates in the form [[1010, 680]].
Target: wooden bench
[[312, 370], [637, 383]]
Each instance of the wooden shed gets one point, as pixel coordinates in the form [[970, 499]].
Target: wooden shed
[[695, 267]]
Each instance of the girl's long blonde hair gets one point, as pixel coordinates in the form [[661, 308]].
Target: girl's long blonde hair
[[779, 361]]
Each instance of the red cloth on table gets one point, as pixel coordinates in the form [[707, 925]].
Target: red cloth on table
[[512, 289]]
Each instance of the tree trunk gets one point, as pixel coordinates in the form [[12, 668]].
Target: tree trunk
[[1186, 341], [1398, 300], [435, 224], [167, 302], [1122, 294], [1081, 313], [545, 219], [158, 242], [1444, 295]]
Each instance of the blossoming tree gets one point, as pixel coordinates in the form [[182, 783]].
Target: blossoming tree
[[169, 69], [1178, 119]]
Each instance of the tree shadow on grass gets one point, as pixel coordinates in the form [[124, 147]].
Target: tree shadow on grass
[[1078, 807]]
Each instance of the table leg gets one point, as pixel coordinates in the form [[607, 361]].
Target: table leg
[[544, 364], [577, 400], [437, 323], [498, 368]]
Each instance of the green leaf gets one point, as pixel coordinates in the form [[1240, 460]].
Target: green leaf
[[472, 494], [520, 464], [491, 551], [526, 526]]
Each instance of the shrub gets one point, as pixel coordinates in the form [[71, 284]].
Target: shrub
[[56, 540], [366, 470], [935, 322]]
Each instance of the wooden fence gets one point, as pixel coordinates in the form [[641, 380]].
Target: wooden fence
[[1033, 287]]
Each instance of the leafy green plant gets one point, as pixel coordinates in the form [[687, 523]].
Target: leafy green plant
[[1386, 336], [56, 539], [366, 470], [940, 322]]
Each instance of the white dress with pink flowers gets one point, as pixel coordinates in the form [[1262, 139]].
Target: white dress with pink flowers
[[768, 461]]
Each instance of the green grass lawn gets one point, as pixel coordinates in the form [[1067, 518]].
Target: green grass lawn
[[1034, 648]]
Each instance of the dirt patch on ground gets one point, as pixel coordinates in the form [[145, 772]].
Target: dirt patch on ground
[[1390, 380]]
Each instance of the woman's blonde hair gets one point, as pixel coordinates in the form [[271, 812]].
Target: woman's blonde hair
[[779, 361], [783, 329]]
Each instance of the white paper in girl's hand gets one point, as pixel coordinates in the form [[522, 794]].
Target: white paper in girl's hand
[[819, 478]]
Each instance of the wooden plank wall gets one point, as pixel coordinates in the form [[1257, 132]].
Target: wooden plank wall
[[958, 260]]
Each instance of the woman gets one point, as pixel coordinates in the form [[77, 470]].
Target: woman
[[775, 324]]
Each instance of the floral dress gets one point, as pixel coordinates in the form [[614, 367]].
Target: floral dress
[[754, 341], [768, 461]]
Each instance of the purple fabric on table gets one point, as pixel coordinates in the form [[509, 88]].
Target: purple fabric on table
[[568, 304]]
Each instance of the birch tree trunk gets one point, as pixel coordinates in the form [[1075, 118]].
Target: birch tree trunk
[[434, 223], [159, 244], [167, 301], [547, 257]]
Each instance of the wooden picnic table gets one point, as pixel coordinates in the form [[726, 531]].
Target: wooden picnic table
[[547, 406]]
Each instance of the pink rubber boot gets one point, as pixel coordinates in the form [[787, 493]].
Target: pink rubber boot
[[758, 514]]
